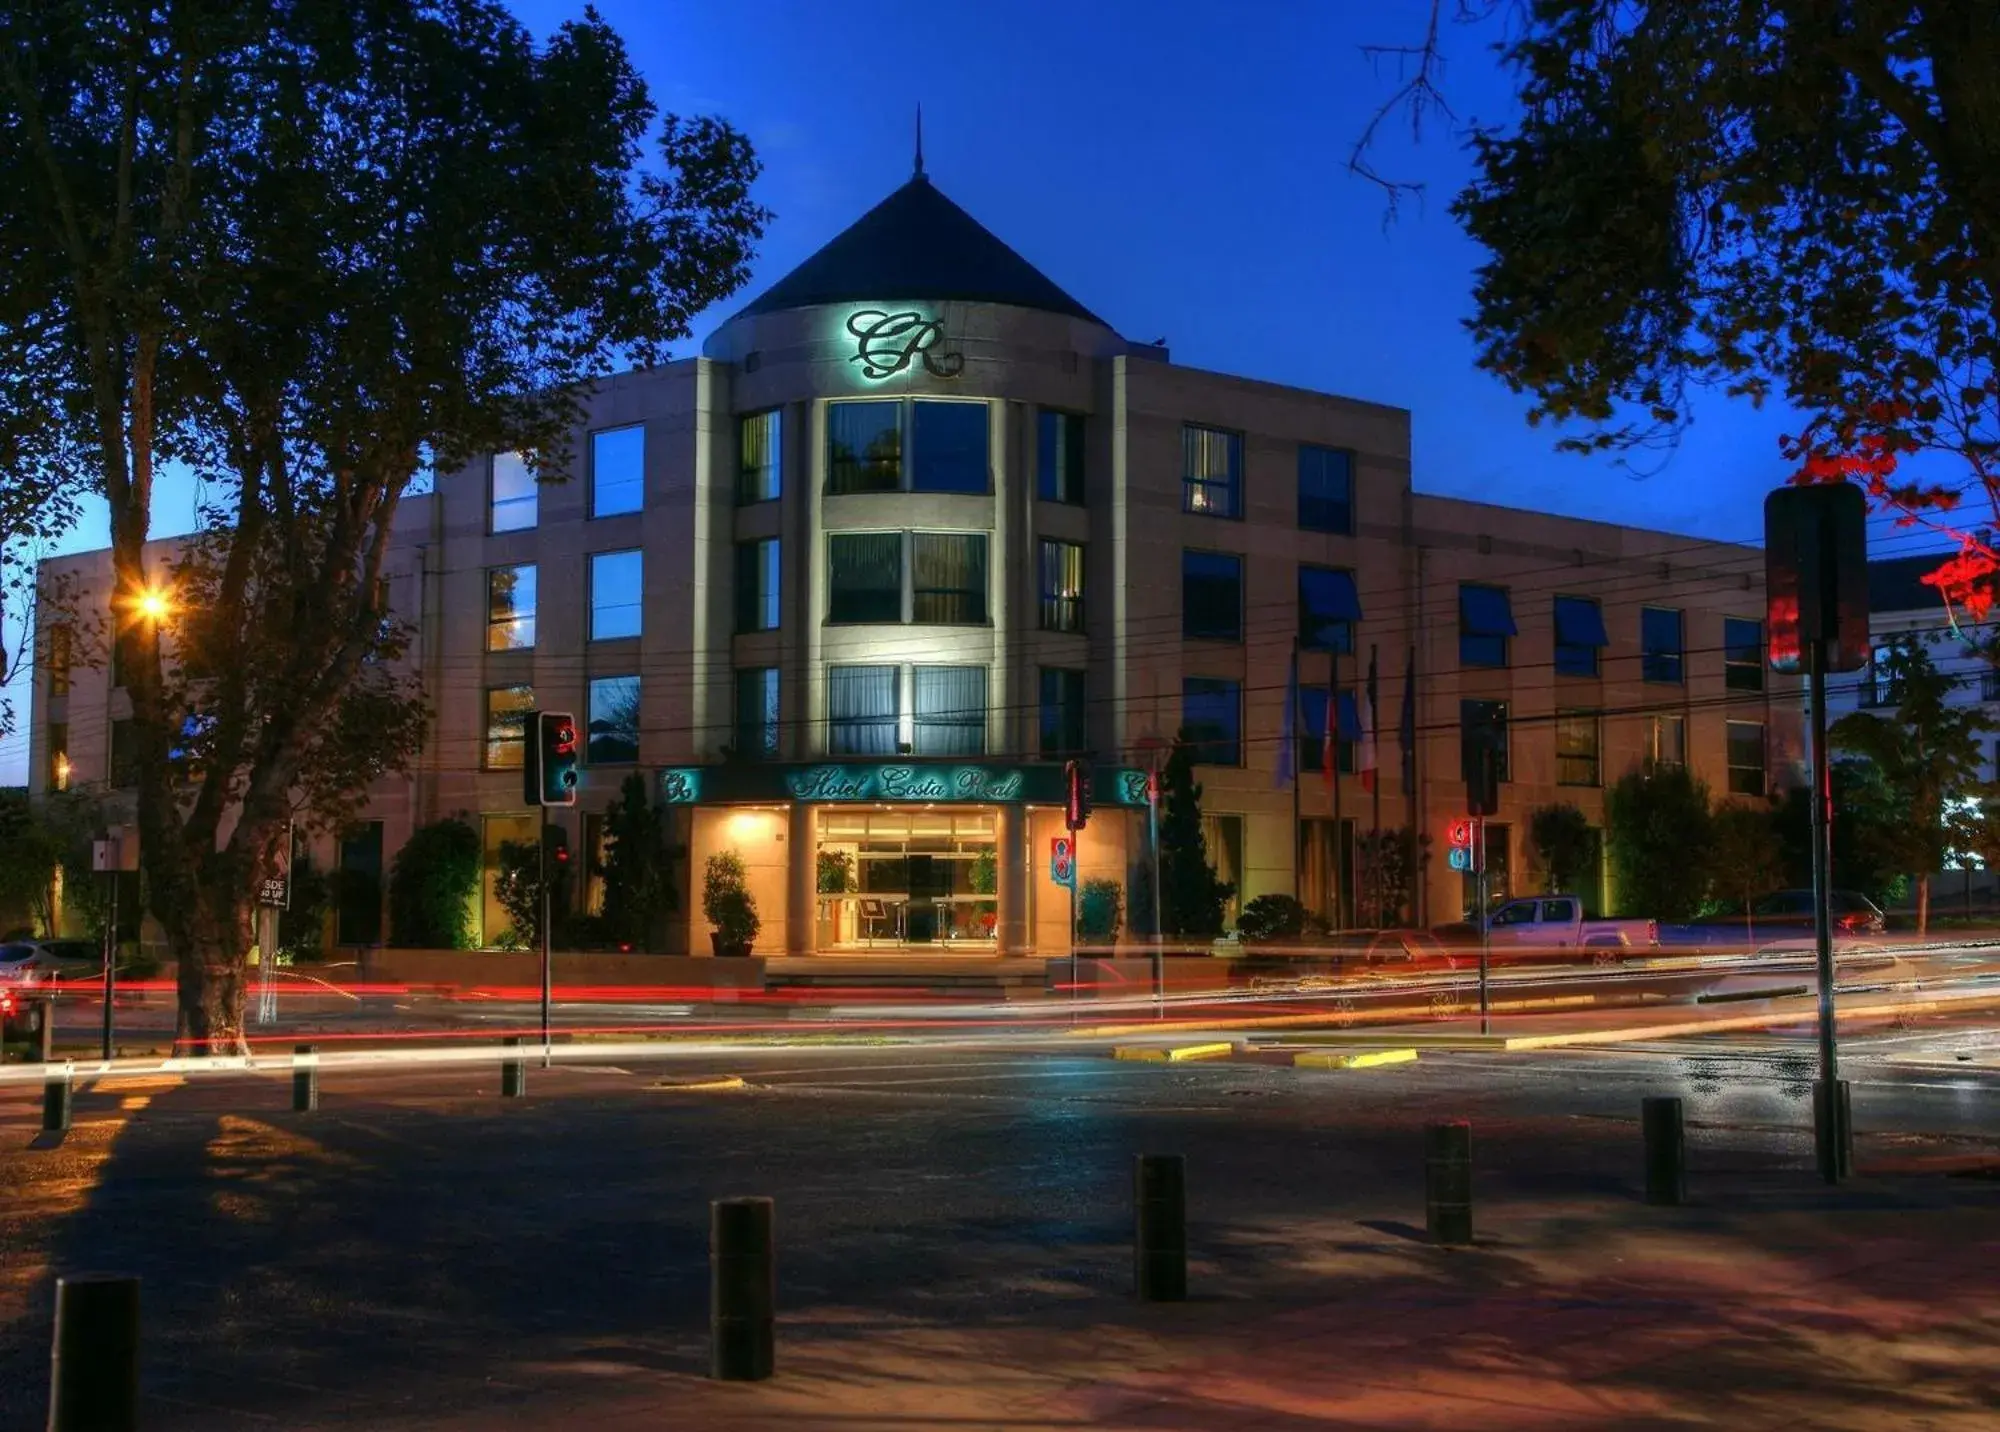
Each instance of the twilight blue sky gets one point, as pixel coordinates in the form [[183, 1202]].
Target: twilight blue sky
[[1179, 166]]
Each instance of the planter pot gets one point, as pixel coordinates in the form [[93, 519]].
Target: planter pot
[[723, 947]]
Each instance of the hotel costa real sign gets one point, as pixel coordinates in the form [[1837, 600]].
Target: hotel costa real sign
[[899, 781]]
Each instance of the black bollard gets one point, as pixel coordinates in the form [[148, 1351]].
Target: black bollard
[[94, 1371], [45, 1031], [1448, 1181], [1666, 1151], [513, 1072], [55, 1100], [305, 1079], [1159, 1227], [743, 1290]]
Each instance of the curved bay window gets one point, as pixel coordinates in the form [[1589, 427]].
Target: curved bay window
[[907, 877]]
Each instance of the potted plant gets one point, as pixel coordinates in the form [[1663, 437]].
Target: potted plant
[[836, 872], [726, 901], [1100, 912]]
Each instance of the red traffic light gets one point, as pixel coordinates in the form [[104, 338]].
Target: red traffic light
[[564, 737]]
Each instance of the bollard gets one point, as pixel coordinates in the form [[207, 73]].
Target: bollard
[[513, 1072], [1159, 1227], [743, 1290], [55, 1100], [305, 1079], [45, 1035], [94, 1369], [1448, 1181], [1842, 1143], [1666, 1151]]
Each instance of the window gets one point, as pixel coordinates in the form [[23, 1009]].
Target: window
[[1742, 654], [516, 495], [1499, 871], [124, 758], [58, 774], [1478, 715], [1211, 471], [1485, 621], [1212, 720], [1059, 457], [1577, 741], [1660, 650], [922, 445], [862, 710], [1211, 596], [357, 899], [510, 608], [948, 442], [1580, 636], [759, 475], [1328, 609], [1666, 741], [948, 710], [613, 735], [757, 585], [1878, 685], [58, 652], [865, 572], [508, 711], [1989, 684], [616, 584], [1063, 722], [948, 578], [1746, 757], [1062, 585], [617, 471], [1326, 489], [757, 713]]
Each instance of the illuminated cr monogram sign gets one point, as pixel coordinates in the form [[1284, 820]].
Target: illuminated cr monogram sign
[[886, 344]]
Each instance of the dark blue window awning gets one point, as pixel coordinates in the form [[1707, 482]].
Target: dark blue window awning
[[1485, 611], [1331, 593], [1580, 622]]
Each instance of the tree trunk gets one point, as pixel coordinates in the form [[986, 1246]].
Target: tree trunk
[[210, 941], [1923, 906]]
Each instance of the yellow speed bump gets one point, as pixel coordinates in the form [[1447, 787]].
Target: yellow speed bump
[[1356, 1059], [1174, 1054], [706, 1084]]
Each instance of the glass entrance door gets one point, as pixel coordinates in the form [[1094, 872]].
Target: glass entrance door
[[908, 878]]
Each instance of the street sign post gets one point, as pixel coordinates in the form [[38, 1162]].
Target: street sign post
[[111, 854]]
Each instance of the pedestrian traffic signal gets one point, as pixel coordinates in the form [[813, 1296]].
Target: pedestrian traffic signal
[[1463, 838], [1076, 794], [550, 770]]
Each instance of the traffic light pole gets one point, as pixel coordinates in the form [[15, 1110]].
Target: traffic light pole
[[1485, 934], [1832, 1139], [542, 865]]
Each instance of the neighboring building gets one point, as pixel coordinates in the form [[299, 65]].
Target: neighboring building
[[1900, 603], [918, 526]]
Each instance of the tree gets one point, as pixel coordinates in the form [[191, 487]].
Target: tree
[[302, 922], [1386, 873], [1864, 857], [517, 886], [432, 884], [1759, 196], [1656, 825], [1565, 844], [1745, 859], [31, 852], [1191, 896], [1928, 752], [315, 251], [639, 858]]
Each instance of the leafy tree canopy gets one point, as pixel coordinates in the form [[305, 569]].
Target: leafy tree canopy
[[1656, 822], [314, 250], [1191, 895]]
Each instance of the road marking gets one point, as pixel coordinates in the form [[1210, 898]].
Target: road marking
[[137, 1083], [1360, 1059], [715, 1084], [1156, 1054]]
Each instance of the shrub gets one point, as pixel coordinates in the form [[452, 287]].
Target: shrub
[[432, 886], [726, 900], [1100, 911], [1273, 917]]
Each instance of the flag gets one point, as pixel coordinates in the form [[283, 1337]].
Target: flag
[[1329, 736], [1366, 763], [1286, 772], [1406, 729]]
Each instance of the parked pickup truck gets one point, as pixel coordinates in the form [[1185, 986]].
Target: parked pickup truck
[[1557, 922]]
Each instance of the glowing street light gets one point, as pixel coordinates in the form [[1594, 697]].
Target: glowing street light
[[153, 604]]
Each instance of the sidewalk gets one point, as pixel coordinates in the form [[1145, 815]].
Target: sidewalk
[[1862, 1309]]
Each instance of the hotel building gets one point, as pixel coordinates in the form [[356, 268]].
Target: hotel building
[[917, 527]]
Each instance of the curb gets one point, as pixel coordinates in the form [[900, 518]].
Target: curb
[[1324, 1059], [1152, 1054]]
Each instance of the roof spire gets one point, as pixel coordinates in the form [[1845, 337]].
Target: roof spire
[[920, 140]]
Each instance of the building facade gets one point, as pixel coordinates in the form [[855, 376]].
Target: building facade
[[917, 528]]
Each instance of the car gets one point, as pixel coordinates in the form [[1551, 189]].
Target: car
[[1783, 916], [49, 961], [1558, 922], [21, 1015]]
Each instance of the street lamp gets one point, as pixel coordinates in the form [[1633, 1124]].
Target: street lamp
[[153, 604]]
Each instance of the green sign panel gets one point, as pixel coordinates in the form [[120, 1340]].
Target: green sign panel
[[902, 781]]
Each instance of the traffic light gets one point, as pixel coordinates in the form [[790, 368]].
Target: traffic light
[[1463, 838], [1076, 794], [550, 770], [1816, 576], [1482, 735]]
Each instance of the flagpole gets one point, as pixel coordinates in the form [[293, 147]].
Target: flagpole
[[1406, 740], [1292, 695], [1339, 843], [1375, 780]]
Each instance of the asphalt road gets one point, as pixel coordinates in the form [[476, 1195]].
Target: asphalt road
[[418, 1247]]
